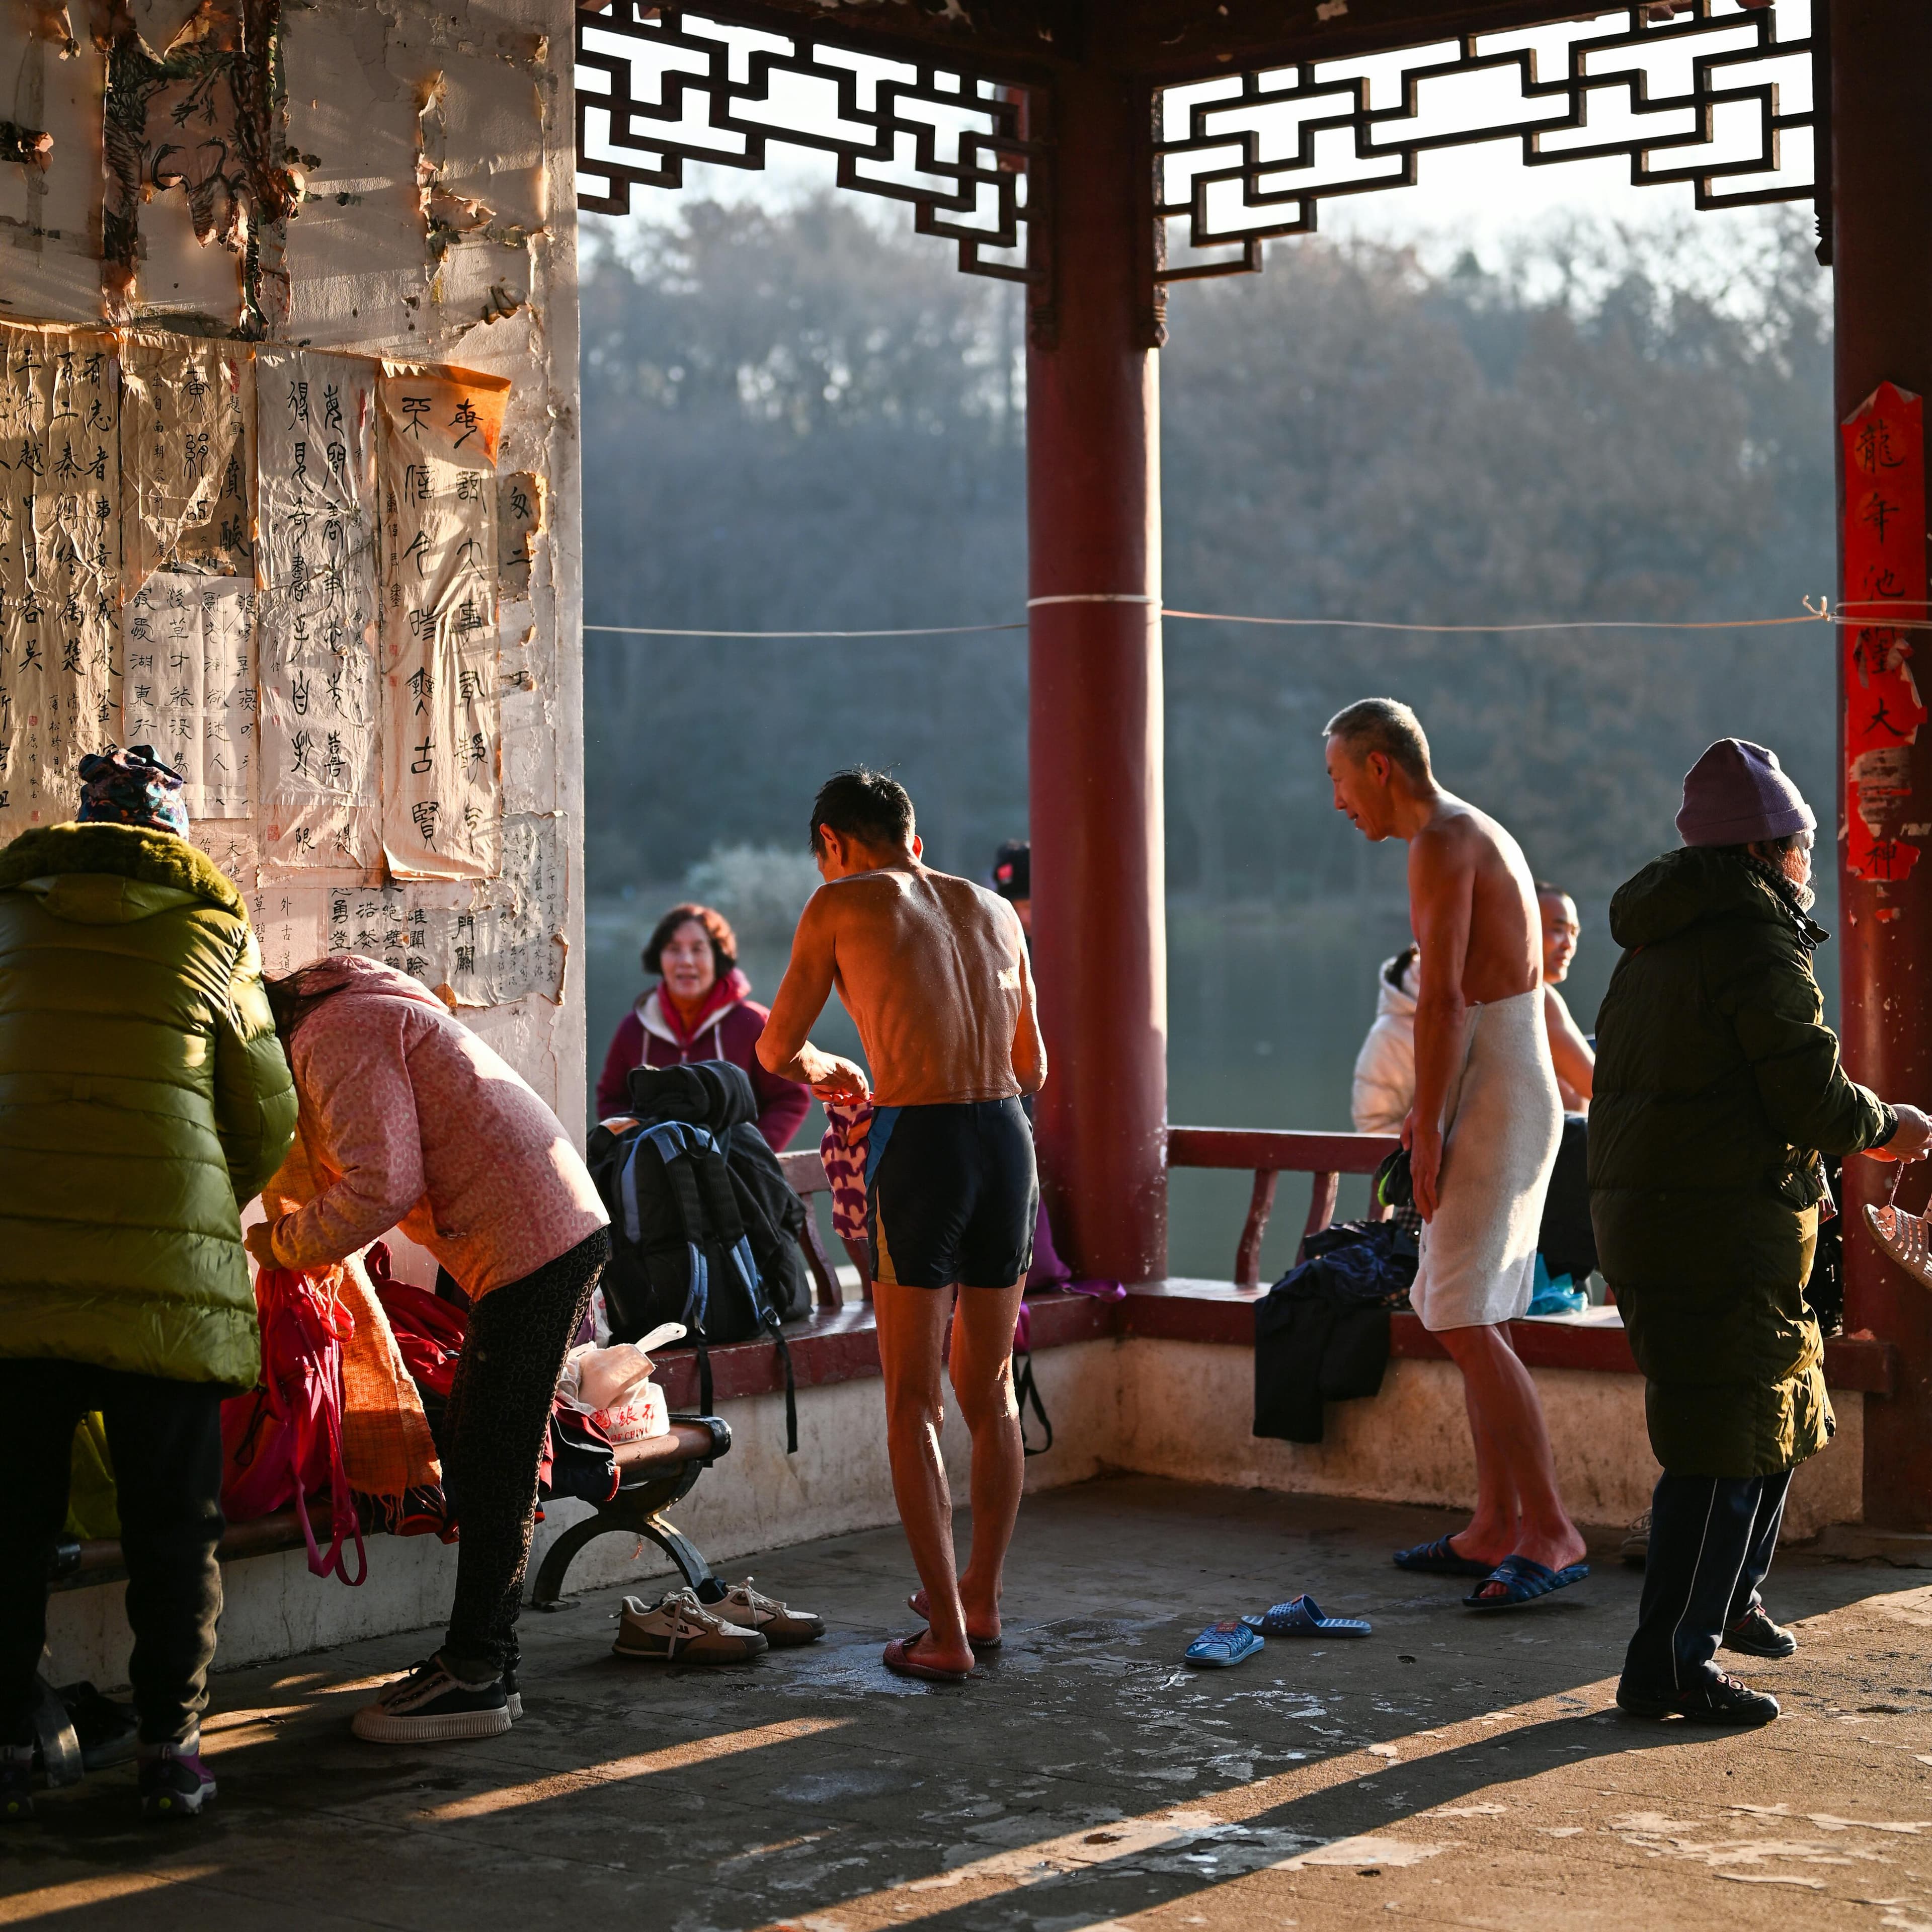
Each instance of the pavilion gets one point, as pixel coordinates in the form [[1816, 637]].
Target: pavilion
[[1090, 136]]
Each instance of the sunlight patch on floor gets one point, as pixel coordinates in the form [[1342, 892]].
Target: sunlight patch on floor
[[1082, 1851], [619, 1770], [78, 1894]]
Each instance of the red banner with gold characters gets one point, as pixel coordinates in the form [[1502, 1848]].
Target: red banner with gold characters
[[1885, 580]]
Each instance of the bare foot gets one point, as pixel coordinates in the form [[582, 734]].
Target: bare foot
[[921, 1606], [1555, 1550], [912, 1655], [1480, 1545]]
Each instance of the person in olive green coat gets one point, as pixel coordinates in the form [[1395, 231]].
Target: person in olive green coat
[[1718, 1090], [144, 1100]]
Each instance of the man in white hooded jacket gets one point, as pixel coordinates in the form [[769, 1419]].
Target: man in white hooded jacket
[[1385, 1068]]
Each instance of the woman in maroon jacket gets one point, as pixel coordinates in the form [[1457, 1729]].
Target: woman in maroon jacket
[[701, 1008]]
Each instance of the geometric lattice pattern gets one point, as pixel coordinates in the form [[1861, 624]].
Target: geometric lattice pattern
[[1697, 97], [659, 86]]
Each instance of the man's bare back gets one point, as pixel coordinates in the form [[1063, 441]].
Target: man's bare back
[[934, 971]]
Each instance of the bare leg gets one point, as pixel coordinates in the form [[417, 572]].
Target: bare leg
[[1495, 1529], [1512, 1451], [982, 1379], [912, 1332]]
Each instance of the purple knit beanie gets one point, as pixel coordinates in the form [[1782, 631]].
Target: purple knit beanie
[[1737, 794]]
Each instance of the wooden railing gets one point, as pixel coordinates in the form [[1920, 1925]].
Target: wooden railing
[[1270, 1153]]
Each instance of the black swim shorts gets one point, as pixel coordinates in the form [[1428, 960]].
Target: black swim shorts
[[951, 1195]]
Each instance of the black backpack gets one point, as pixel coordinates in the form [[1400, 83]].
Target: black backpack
[[704, 1226]]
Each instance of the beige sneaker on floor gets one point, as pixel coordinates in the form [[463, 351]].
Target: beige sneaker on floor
[[678, 1629], [1903, 1236], [778, 1623]]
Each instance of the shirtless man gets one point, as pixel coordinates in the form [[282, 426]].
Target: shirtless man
[[1482, 1136], [1569, 1048], [933, 971]]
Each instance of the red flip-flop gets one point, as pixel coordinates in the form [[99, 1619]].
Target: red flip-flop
[[900, 1662], [918, 1604]]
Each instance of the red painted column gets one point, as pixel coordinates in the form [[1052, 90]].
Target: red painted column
[[1093, 532], [1882, 252]]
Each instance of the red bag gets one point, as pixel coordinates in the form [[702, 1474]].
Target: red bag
[[283, 1442], [429, 1332]]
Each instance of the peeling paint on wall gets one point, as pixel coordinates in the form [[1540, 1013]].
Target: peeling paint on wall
[[32, 147], [203, 116]]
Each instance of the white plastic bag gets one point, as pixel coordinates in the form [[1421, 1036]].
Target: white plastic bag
[[612, 1386]]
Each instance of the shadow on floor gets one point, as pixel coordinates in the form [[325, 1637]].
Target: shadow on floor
[[1086, 1779]]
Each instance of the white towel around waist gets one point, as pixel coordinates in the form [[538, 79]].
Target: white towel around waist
[[1502, 1120]]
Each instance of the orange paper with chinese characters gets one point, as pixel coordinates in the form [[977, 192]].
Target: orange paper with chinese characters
[[1885, 579]]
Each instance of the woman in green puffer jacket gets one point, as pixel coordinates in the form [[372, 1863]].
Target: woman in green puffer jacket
[[1718, 1089], [144, 1099]]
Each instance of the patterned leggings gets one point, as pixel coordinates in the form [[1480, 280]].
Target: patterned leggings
[[493, 1435]]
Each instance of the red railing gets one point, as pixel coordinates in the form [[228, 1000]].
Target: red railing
[[1271, 1152]]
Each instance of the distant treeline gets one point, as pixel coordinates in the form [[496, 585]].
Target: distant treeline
[[793, 420]]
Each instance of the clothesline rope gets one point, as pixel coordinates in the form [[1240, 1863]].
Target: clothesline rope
[[1820, 613]]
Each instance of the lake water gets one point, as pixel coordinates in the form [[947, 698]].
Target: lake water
[[1265, 1016]]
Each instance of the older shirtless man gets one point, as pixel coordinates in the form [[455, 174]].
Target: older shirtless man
[[1482, 1135], [933, 970]]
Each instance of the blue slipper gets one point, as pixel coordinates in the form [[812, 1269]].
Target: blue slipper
[[1304, 1618], [1524, 1579], [1440, 1558], [1224, 1644]]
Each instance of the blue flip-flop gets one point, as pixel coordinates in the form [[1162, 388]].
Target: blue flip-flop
[[1304, 1618], [1222, 1645], [1441, 1558], [1524, 1580]]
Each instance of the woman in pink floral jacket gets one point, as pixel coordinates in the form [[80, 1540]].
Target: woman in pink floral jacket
[[409, 1120]]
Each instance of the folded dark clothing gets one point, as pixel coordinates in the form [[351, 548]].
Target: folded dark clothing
[[1372, 1261], [1321, 1334]]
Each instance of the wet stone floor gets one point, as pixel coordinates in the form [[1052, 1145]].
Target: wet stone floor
[[1453, 1769]]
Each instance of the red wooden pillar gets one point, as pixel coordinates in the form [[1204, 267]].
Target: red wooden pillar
[[1093, 533], [1882, 254]]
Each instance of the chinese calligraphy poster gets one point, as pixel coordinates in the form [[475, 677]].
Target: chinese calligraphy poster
[[188, 649], [441, 754], [60, 498], [316, 458], [187, 435]]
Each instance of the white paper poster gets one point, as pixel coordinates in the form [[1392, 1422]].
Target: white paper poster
[[187, 427], [316, 443], [188, 647], [60, 503], [441, 732]]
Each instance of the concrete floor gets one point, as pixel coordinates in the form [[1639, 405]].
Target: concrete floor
[[1462, 1770]]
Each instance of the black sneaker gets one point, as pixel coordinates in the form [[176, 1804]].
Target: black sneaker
[[175, 1783], [1756, 1635], [16, 1784], [512, 1696], [430, 1706], [1715, 1699]]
